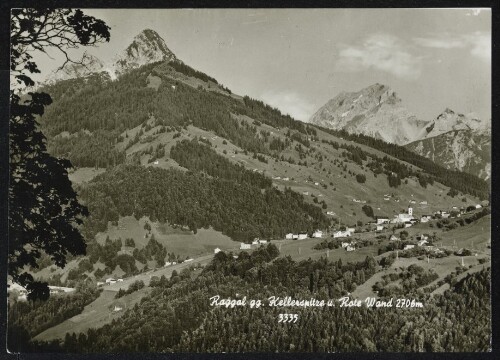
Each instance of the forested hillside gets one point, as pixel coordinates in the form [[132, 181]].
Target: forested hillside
[[109, 109], [240, 210], [163, 322]]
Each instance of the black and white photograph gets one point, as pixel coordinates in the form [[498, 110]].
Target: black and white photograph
[[250, 180]]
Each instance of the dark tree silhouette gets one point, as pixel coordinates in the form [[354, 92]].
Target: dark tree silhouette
[[43, 209]]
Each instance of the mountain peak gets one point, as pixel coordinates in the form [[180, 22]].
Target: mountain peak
[[146, 47], [88, 64], [375, 110]]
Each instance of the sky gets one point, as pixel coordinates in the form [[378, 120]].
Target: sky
[[298, 59]]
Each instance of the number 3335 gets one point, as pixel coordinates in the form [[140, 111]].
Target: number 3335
[[288, 318]]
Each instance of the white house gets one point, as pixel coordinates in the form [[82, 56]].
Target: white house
[[117, 308], [351, 230], [422, 242], [339, 234], [255, 242], [478, 206], [350, 248], [244, 246], [156, 162], [382, 220], [100, 283], [120, 280], [286, 179], [393, 238], [408, 224], [317, 234], [380, 227], [188, 260], [295, 236], [110, 281], [408, 247], [445, 214], [262, 241], [345, 244], [217, 250], [302, 236], [423, 202], [289, 236], [425, 218], [331, 213]]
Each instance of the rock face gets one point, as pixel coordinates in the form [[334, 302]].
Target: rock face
[[453, 140], [457, 141], [146, 48], [89, 64], [374, 111]]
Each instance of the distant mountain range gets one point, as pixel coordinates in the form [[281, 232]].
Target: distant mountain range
[[456, 141]]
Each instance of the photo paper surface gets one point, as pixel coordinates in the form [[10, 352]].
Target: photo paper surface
[[249, 180]]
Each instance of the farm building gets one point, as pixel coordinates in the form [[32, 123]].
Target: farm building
[[394, 238], [408, 247], [317, 234], [339, 234], [244, 246], [302, 236], [382, 220], [217, 250], [289, 236]]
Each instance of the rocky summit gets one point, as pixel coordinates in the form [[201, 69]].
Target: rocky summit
[[375, 111], [88, 64], [147, 47]]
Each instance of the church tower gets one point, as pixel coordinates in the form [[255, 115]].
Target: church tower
[[410, 211]]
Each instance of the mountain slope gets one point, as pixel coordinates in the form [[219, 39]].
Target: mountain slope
[[464, 150], [375, 111]]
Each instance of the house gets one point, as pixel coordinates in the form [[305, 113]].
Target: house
[[168, 263], [394, 238], [380, 227], [306, 193], [316, 183], [289, 236], [286, 179], [422, 237], [262, 241], [188, 260], [173, 87], [422, 242], [423, 202], [244, 246], [345, 244], [119, 280], [382, 220], [408, 224], [408, 247], [331, 213], [350, 248], [413, 202], [255, 242], [386, 199], [339, 234], [350, 229], [110, 281], [100, 283], [174, 263], [425, 218], [302, 236], [317, 234], [217, 250], [295, 236], [478, 206], [156, 162], [117, 308], [445, 214]]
